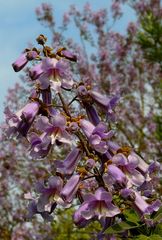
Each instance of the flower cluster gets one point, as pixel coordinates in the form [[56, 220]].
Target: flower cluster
[[63, 113]]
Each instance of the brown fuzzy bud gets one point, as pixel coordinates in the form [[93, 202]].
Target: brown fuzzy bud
[[41, 39]]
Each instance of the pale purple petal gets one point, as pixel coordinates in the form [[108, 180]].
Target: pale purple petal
[[95, 139], [71, 56], [43, 124], [154, 207], [44, 81], [49, 64], [132, 162], [30, 111], [103, 195], [69, 190], [36, 71], [116, 174], [90, 163], [99, 98], [20, 63], [119, 159], [142, 165], [32, 209], [101, 147], [79, 220], [87, 127], [92, 114], [136, 178]]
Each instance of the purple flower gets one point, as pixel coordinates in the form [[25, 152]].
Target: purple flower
[[107, 103], [69, 190], [20, 63], [23, 60], [97, 136], [129, 166], [116, 10], [139, 203], [115, 176], [67, 54], [92, 114], [87, 127], [99, 204], [40, 145], [36, 71], [54, 73], [47, 96], [153, 168], [32, 210], [142, 165], [90, 163], [79, 220], [53, 190], [82, 92], [90, 96], [51, 131], [68, 166], [22, 120], [55, 128]]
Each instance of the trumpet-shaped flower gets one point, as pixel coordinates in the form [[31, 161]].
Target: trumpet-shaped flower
[[40, 145], [54, 73], [68, 166], [139, 203], [115, 176], [69, 190], [131, 166], [23, 60], [97, 136], [98, 205], [55, 128], [51, 191], [22, 120]]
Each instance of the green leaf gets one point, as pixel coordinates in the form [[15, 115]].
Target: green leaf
[[121, 227], [152, 237], [157, 213], [131, 216], [158, 229], [158, 218]]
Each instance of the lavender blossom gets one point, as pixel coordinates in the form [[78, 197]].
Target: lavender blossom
[[68, 166], [130, 166], [107, 103], [79, 220], [32, 210], [69, 190], [139, 203], [115, 176], [40, 145], [36, 71], [23, 60], [67, 54], [90, 96], [55, 128], [53, 190], [99, 204], [97, 136], [92, 114], [22, 120], [54, 73], [51, 131]]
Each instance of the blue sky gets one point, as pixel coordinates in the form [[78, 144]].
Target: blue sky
[[19, 26]]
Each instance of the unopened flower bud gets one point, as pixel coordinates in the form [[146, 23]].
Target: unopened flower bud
[[41, 39]]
